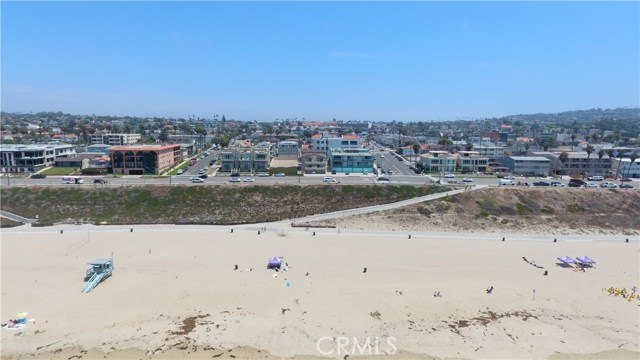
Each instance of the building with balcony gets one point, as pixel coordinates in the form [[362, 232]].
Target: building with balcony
[[241, 159], [115, 139], [31, 158], [145, 159], [438, 161], [581, 164], [313, 161], [350, 160], [625, 168], [472, 163], [288, 150], [492, 152]]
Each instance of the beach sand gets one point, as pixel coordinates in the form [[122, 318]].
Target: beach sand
[[175, 294]]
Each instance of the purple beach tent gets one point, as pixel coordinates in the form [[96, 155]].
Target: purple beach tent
[[586, 261], [566, 260], [274, 262]]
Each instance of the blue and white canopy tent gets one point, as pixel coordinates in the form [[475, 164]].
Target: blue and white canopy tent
[[566, 260], [275, 262], [586, 261]]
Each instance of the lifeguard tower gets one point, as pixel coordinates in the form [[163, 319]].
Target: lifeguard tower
[[100, 269]]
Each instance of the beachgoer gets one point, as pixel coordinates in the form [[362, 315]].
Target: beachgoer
[[490, 289]]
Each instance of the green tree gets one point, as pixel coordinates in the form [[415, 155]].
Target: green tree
[[468, 146], [163, 136]]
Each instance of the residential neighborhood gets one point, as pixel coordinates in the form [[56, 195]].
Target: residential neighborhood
[[577, 144]]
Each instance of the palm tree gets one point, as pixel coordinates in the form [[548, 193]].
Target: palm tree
[[620, 155], [573, 140], [564, 157], [416, 151], [610, 154], [633, 158], [589, 150], [600, 155]]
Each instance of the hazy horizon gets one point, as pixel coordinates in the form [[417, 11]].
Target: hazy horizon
[[369, 61]]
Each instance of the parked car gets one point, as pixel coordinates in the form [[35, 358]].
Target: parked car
[[576, 183], [625, 179], [280, 174], [38, 176], [506, 182], [235, 174], [196, 180], [467, 180], [608, 185], [541, 183], [248, 180], [235, 179], [626, 186], [263, 174], [333, 172], [449, 176], [203, 176], [383, 178], [100, 181], [557, 184], [180, 172], [590, 185], [327, 179], [595, 178], [510, 177]]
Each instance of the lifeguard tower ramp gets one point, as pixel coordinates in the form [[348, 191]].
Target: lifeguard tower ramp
[[100, 269]]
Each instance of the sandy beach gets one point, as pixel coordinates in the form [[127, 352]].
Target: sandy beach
[[175, 294]]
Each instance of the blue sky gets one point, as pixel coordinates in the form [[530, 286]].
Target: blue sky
[[381, 61]]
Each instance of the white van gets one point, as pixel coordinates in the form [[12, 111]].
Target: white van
[[327, 179], [72, 180], [506, 182]]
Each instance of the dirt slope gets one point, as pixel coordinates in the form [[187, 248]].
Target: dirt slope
[[520, 210]]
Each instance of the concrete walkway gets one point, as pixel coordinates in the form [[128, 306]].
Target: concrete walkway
[[376, 208], [17, 218]]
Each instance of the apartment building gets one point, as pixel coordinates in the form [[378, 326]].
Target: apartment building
[[145, 159], [438, 161], [115, 139], [313, 161], [351, 160], [245, 159], [581, 164], [527, 165], [288, 150], [31, 158]]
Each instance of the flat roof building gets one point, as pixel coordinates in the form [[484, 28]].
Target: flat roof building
[[145, 159]]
